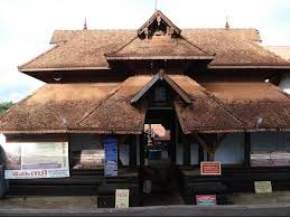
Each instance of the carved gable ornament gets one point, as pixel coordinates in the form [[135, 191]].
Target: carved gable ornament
[[158, 24]]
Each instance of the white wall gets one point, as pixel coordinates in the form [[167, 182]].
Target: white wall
[[231, 150]]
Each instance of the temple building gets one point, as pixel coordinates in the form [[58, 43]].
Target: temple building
[[141, 109]]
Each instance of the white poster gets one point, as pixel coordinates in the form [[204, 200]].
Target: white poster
[[30, 160], [122, 198]]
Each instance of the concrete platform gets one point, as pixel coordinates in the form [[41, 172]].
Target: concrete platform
[[275, 204], [281, 211]]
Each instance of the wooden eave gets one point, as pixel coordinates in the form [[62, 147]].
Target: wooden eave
[[161, 58], [249, 67], [61, 69]]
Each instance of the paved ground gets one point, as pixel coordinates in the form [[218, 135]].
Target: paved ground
[[280, 211], [275, 204], [278, 197]]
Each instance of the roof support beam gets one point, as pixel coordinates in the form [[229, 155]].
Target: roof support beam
[[211, 147], [161, 76]]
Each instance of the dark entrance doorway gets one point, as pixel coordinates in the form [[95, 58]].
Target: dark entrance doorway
[[159, 180]]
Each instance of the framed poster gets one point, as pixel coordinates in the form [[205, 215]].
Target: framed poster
[[122, 198], [34, 160], [111, 156], [210, 168]]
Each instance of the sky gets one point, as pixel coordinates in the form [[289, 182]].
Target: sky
[[26, 26]]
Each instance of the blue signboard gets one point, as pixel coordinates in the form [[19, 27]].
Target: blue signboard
[[111, 156]]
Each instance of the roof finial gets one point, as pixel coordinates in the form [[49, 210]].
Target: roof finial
[[227, 25], [85, 24], [156, 5]]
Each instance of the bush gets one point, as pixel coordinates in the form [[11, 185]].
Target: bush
[[5, 106]]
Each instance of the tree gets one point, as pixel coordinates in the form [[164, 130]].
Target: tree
[[5, 106]]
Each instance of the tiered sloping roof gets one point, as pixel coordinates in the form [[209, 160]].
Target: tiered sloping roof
[[107, 108]]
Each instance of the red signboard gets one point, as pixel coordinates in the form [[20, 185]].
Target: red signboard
[[210, 168]]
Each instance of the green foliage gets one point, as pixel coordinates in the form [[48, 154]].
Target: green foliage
[[4, 106]]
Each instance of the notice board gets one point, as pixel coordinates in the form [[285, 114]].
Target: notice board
[[111, 156], [206, 200], [122, 198], [34, 160], [210, 168]]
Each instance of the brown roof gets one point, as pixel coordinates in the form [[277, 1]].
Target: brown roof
[[164, 47], [54, 108], [86, 48], [206, 113], [116, 114], [234, 47], [260, 106], [282, 51]]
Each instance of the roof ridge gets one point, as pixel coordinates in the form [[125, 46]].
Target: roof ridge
[[112, 93], [121, 47], [135, 29], [219, 102]]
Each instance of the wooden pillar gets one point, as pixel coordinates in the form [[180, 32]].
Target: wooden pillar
[[200, 154], [174, 133], [142, 154], [186, 151], [132, 152], [247, 149], [211, 156], [210, 146]]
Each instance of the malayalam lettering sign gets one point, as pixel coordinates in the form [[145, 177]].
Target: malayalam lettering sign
[[33, 160], [122, 198], [210, 168], [263, 187], [206, 200], [111, 156]]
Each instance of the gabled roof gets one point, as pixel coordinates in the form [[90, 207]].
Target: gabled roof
[[161, 76], [158, 17]]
